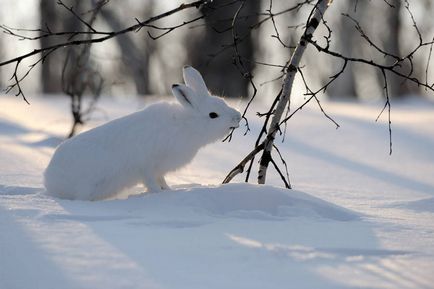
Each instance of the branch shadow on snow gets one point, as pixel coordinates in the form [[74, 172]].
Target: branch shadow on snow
[[423, 205], [402, 137], [11, 128], [49, 141], [364, 169], [14, 129]]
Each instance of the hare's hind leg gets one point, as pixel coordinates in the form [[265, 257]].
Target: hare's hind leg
[[162, 182]]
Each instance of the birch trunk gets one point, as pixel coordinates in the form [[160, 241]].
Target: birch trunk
[[313, 23]]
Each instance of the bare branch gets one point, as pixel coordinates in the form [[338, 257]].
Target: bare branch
[[391, 68], [284, 178], [71, 10], [240, 167], [105, 36], [387, 104]]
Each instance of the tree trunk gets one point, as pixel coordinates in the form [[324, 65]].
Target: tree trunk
[[136, 59], [216, 69], [285, 97], [79, 74], [392, 46], [51, 67], [345, 86], [1, 56], [396, 85]]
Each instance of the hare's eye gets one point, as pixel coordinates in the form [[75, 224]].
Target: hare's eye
[[213, 115]]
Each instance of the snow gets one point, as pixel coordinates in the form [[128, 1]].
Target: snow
[[357, 217]]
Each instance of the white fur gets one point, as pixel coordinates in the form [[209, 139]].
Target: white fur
[[141, 147]]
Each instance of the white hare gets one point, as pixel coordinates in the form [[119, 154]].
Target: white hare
[[141, 147]]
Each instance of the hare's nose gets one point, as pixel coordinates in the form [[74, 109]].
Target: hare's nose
[[237, 117]]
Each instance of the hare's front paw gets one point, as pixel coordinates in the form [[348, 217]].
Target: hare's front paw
[[162, 183], [156, 185]]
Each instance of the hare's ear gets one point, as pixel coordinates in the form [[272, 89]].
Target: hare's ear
[[185, 95], [194, 80]]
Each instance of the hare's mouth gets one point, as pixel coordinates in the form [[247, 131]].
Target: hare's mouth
[[234, 127]]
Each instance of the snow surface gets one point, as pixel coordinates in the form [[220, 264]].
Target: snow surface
[[357, 217]]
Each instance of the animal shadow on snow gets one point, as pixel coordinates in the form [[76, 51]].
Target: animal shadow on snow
[[18, 261], [238, 217], [17, 267], [240, 201], [228, 214]]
